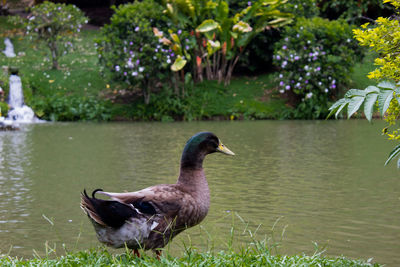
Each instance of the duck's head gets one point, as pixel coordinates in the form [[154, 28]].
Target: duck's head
[[198, 146]]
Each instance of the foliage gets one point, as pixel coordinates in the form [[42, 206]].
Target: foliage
[[71, 108], [383, 39], [258, 56], [352, 10], [315, 58], [55, 24], [3, 109], [130, 50], [211, 38]]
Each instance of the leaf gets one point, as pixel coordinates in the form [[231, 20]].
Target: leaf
[[178, 64], [335, 107], [388, 85], [354, 105], [369, 103], [242, 27], [340, 109], [207, 25], [354, 92], [395, 152], [384, 99]]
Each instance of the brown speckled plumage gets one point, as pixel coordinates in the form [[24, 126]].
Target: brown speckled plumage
[[153, 216]]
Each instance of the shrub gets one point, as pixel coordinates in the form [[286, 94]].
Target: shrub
[[258, 56], [315, 58], [130, 50], [354, 11], [382, 38], [55, 24], [218, 35], [71, 108]]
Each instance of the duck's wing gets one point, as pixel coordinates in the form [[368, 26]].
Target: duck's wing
[[164, 200]]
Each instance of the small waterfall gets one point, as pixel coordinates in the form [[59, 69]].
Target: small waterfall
[[9, 51], [19, 112]]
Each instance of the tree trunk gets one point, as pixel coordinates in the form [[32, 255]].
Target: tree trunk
[[54, 52]]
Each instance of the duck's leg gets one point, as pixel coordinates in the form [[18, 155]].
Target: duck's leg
[[158, 254], [136, 253]]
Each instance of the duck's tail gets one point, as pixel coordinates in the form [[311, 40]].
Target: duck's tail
[[106, 212]]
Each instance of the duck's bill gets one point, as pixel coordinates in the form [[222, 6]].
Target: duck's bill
[[224, 149]]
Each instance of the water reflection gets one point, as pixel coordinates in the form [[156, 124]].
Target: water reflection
[[324, 180], [15, 187]]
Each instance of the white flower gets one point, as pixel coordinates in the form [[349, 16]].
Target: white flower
[[309, 95], [141, 69], [134, 73]]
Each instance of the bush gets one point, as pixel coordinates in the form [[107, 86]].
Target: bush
[[258, 56], [71, 108], [315, 58], [354, 11], [54, 24], [130, 50]]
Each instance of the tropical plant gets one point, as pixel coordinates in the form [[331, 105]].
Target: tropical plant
[[215, 39], [315, 58], [383, 38], [55, 25], [129, 49]]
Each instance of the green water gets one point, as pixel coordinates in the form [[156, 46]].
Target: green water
[[320, 182]]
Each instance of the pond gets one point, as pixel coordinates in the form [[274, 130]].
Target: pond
[[313, 182]]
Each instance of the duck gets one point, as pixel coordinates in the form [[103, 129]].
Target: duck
[[150, 218]]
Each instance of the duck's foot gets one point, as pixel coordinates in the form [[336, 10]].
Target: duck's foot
[[136, 253], [158, 254]]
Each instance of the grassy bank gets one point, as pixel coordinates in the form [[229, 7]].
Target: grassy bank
[[255, 256], [80, 91]]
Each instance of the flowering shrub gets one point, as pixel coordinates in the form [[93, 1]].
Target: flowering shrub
[[130, 50], [55, 24], [315, 58]]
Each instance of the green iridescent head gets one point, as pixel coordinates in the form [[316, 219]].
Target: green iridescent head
[[198, 146]]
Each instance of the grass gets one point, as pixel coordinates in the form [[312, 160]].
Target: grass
[[242, 247], [252, 256]]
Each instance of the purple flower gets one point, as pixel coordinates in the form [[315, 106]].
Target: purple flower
[[317, 68], [287, 87], [137, 29], [137, 62], [179, 32], [281, 83], [278, 57], [172, 54], [296, 58], [130, 43], [249, 3], [306, 81], [125, 73], [315, 58], [187, 47], [284, 47], [333, 86]]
